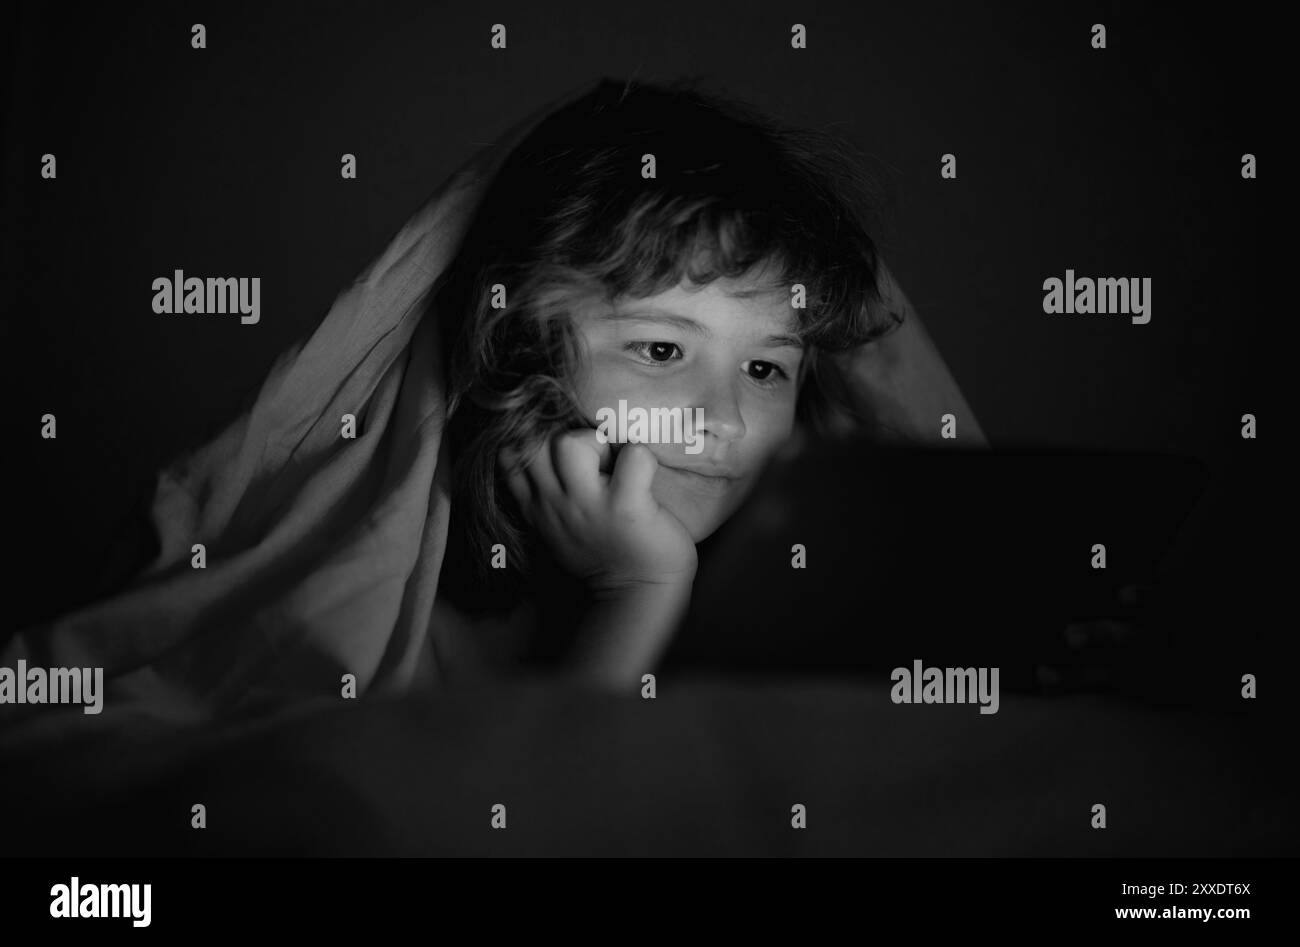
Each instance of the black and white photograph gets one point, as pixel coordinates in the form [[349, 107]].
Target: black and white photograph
[[662, 430]]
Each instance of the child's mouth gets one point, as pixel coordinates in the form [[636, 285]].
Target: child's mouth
[[703, 482]]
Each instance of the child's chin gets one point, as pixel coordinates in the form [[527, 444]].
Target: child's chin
[[700, 517], [702, 531]]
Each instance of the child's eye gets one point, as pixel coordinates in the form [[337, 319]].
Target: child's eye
[[653, 351], [766, 379]]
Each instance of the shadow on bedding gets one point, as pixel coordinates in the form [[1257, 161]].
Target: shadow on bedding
[[709, 767]]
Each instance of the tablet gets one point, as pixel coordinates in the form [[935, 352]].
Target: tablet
[[852, 557]]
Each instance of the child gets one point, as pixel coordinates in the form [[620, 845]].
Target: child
[[662, 248], [417, 493]]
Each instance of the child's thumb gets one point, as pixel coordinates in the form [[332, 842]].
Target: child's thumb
[[634, 470]]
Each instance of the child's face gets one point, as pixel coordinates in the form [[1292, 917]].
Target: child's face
[[725, 363]]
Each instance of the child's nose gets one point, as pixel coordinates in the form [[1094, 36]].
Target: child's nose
[[722, 416]]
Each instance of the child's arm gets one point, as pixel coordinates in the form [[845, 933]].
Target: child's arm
[[901, 383], [624, 633], [634, 559]]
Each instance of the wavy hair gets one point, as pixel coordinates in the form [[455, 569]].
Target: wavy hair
[[569, 217]]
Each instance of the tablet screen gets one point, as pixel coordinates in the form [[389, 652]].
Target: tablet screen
[[851, 556]]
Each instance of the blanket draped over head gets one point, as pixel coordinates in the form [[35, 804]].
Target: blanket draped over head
[[323, 553]]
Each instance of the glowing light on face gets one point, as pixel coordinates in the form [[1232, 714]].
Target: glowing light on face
[[726, 350]]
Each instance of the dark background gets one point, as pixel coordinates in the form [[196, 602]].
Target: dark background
[[1121, 162]]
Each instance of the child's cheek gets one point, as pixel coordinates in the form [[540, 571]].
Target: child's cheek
[[700, 512], [604, 385]]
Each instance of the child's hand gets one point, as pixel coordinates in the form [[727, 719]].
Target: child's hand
[[605, 528], [1100, 649]]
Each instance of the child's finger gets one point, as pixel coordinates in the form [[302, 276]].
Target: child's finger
[[1100, 632], [634, 471], [1136, 594], [577, 455], [1056, 680], [542, 472]]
